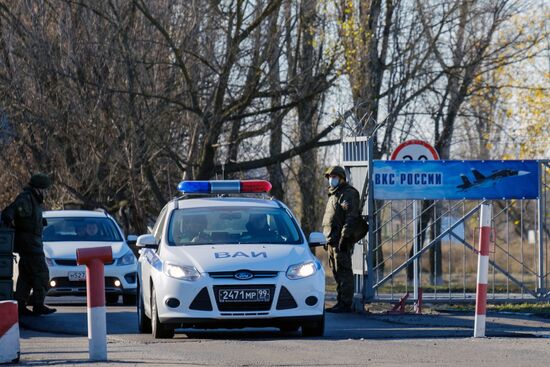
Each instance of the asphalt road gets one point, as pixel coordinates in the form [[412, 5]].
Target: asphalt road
[[350, 340]]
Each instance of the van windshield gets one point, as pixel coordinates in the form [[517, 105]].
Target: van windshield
[[60, 229], [232, 225]]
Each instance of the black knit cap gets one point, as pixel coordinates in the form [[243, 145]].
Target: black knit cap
[[335, 170], [40, 181]]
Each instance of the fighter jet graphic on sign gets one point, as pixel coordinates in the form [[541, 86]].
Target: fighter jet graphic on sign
[[487, 181]]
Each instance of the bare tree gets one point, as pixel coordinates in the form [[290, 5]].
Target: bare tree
[[119, 100]]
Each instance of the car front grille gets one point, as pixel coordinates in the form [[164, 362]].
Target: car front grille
[[231, 274], [71, 262], [64, 282], [202, 301], [286, 301]]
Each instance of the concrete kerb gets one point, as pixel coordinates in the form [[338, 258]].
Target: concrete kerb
[[498, 324]]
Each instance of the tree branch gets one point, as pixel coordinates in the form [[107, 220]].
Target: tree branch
[[264, 162]]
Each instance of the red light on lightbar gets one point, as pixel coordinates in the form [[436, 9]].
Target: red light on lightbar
[[255, 186]]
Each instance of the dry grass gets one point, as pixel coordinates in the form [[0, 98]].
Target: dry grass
[[459, 269], [459, 265]]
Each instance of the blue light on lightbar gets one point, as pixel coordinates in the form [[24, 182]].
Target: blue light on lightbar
[[224, 187], [196, 187]]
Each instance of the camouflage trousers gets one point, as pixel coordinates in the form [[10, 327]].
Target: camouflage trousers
[[340, 263], [33, 274]]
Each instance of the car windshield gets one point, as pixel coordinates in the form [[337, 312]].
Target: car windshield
[[81, 229], [234, 225]]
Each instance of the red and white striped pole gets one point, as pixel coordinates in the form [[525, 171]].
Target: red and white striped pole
[[9, 332], [94, 259], [482, 270]]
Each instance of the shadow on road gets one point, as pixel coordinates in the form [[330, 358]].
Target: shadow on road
[[122, 320]]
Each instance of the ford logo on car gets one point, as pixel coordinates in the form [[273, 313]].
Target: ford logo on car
[[243, 275]]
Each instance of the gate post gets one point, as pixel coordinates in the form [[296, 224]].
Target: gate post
[[482, 269], [541, 271], [416, 248], [368, 284]]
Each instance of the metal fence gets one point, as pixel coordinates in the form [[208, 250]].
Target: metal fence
[[446, 236]]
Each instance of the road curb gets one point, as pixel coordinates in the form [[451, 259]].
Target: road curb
[[454, 322]]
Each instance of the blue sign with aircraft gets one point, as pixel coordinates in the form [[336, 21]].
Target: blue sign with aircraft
[[456, 180]]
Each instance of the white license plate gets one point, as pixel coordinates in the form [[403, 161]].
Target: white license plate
[[244, 295], [75, 276]]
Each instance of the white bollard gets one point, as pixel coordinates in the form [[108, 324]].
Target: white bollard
[[97, 333], [482, 270], [94, 258], [9, 332]]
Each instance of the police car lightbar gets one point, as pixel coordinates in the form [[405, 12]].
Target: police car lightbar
[[224, 187]]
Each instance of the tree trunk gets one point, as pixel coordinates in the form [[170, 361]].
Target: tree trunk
[[308, 171], [276, 175]]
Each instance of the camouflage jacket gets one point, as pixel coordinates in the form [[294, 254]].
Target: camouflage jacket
[[25, 213], [341, 213]]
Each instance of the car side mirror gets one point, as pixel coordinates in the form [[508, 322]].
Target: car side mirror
[[132, 239], [147, 241], [317, 239]]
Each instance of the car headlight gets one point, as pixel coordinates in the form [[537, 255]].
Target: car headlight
[[303, 270], [181, 272], [50, 262], [127, 259]]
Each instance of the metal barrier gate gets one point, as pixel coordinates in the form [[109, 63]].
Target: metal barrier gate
[[446, 233]]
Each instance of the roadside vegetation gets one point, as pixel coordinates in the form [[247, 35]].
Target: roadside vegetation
[[119, 100]]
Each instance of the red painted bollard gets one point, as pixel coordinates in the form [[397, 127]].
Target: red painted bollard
[[9, 332], [95, 259], [482, 269]]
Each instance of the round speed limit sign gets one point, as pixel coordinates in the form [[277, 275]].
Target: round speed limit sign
[[414, 150]]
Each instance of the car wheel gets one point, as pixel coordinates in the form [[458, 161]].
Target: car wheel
[[112, 299], [129, 299], [159, 331], [314, 328], [144, 323]]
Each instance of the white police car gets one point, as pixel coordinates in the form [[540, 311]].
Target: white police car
[[215, 261], [68, 230]]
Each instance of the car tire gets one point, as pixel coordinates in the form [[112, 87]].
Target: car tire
[[159, 330], [129, 299], [111, 299], [144, 322], [314, 328]]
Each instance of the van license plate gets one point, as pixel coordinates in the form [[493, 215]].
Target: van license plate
[[76, 276]]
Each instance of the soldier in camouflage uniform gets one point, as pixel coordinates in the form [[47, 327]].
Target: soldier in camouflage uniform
[[25, 215], [340, 217]]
